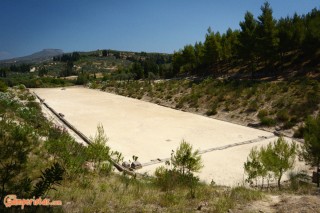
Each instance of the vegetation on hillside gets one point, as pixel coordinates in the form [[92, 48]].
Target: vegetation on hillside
[[281, 104]]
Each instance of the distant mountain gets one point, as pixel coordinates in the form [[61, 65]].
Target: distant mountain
[[38, 57]]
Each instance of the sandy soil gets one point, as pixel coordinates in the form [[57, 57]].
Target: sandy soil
[[283, 203], [150, 131]]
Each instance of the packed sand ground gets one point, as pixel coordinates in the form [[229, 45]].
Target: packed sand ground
[[150, 131]]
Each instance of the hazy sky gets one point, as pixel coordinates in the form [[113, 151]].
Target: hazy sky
[[28, 26]]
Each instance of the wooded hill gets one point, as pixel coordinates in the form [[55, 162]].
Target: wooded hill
[[263, 47]]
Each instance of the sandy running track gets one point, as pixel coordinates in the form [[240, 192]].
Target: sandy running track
[[150, 131]]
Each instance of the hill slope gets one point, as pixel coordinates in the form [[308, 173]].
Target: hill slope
[[36, 57]]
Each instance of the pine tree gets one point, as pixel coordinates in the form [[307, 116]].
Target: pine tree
[[267, 35], [212, 48], [247, 46]]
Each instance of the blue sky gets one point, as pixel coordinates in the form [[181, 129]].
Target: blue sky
[[29, 26]]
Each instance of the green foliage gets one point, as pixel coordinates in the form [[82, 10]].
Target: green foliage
[[242, 195], [283, 115], [64, 149], [299, 183], [279, 157], [212, 111], [43, 71], [50, 177], [3, 86], [16, 143], [267, 121], [3, 72], [244, 96], [275, 159], [185, 160], [170, 179], [262, 114], [263, 41], [21, 87], [267, 33], [68, 69], [166, 179], [137, 70], [299, 132], [99, 151], [22, 68], [212, 48], [253, 166], [311, 146], [235, 196], [82, 79], [253, 106], [247, 38]]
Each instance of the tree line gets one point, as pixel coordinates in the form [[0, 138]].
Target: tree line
[[146, 66], [264, 41], [75, 56]]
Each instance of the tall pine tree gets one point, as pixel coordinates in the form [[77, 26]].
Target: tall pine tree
[[247, 46], [268, 40]]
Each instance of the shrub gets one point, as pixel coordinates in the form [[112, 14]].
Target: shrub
[[166, 179], [185, 160], [243, 195], [280, 103], [275, 159], [212, 111], [21, 87], [223, 204], [98, 151], [283, 115], [266, 121], [50, 177], [262, 113], [3, 86], [253, 106], [65, 150], [299, 182], [254, 167], [16, 144], [299, 132], [289, 124]]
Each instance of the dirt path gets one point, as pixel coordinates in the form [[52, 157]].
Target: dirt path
[[283, 203]]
